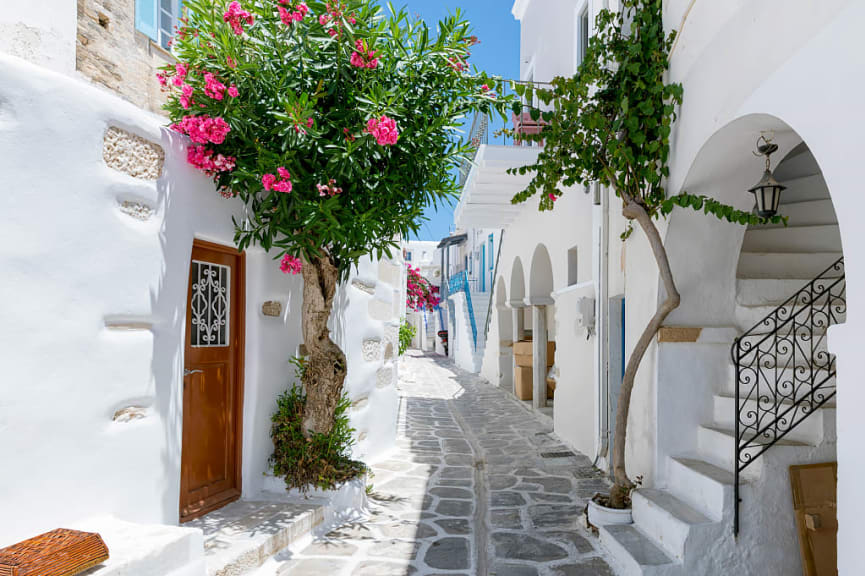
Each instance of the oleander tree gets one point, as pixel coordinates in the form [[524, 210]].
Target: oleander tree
[[610, 123], [335, 124], [421, 294]]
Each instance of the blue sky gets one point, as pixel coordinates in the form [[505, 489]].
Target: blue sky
[[498, 54]]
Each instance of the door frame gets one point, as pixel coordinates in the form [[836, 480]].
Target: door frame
[[239, 298]]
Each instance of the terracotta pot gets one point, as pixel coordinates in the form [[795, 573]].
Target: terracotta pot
[[600, 515]]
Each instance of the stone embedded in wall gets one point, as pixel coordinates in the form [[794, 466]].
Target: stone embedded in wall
[[360, 403], [364, 287], [371, 350], [272, 308], [388, 352], [136, 210], [679, 334], [384, 377], [361, 437], [132, 154], [130, 414]]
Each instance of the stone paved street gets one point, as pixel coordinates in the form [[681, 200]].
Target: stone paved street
[[469, 473]]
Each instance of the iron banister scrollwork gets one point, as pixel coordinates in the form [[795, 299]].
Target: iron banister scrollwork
[[784, 371]]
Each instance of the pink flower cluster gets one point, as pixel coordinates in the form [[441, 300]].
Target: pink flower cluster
[[186, 96], [384, 130], [421, 295], [334, 14], [281, 184], [235, 16], [290, 265], [363, 56], [213, 87], [457, 64], [329, 189], [209, 161], [291, 14], [203, 129]]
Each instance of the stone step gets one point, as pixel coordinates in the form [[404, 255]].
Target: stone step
[[805, 213], [804, 189], [769, 291], [717, 445], [822, 238], [810, 431], [634, 554], [147, 550], [667, 520], [704, 486], [773, 265]]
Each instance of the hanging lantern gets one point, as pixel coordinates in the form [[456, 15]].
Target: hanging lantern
[[767, 192]]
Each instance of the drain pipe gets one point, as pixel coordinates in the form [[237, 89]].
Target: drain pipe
[[603, 306]]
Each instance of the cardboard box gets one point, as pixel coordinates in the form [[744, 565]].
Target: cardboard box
[[523, 353], [523, 382]]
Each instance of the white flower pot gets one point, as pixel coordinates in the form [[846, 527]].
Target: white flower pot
[[602, 516]]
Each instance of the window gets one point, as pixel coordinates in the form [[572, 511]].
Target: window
[[582, 36], [572, 266], [156, 19], [492, 263], [408, 256]]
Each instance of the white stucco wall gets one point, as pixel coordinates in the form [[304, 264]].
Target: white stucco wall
[[41, 31], [75, 263]]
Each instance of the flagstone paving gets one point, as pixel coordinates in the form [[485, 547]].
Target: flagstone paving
[[467, 476]]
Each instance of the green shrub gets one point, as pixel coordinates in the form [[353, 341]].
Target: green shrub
[[322, 461], [406, 333]]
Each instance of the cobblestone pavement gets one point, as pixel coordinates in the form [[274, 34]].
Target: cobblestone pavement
[[468, 475]]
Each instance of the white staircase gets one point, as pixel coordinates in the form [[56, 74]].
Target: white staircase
[[686, 527]]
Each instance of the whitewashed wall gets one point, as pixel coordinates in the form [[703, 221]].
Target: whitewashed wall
[[84, 249], [41, 31]]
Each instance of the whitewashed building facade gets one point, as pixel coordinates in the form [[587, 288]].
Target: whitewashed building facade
[[104, 230], [776, 67]]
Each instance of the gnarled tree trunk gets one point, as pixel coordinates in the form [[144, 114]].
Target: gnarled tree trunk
[[634, 211], [325, 362]]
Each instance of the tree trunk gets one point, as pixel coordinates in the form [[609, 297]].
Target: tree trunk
[[325, 362], [623, 485]]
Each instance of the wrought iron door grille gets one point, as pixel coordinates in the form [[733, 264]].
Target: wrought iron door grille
[[784, 371]]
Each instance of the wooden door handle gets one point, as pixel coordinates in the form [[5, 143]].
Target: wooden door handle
[[188, 372]]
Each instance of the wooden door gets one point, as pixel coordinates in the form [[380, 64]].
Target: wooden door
[[213, 381], [815, 504]]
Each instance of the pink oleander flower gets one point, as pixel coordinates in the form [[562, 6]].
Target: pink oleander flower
[[553, 197], [203, 129], [324, 19], [181, 69], [485, 88], [281, 184], [213, 87], [363, 57], [290, 265], [208, 161], [232, 91], [186, 96], [384, 130], [235, 16], [268, 180], [232, 63], [457, 64], [329, 189], [162, 80]]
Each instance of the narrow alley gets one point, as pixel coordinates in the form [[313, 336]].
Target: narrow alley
[[477, 485]]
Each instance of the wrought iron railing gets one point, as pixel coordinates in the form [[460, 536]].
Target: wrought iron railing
[[483, 131], [783, 370], [458, 282]]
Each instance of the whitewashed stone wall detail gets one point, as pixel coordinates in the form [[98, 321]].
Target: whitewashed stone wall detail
[[360, 403], [371, 350], [384, 377], [364, 287], [130, 414], [389, 273], [388, 352], [380, 310], [136, 210], [132, 154]]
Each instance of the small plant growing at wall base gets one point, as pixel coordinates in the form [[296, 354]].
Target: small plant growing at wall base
[[611, 123], [407, 332]]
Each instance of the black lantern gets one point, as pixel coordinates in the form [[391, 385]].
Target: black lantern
[[767, 192]]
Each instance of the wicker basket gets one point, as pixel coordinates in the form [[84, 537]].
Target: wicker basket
[[60, 552]]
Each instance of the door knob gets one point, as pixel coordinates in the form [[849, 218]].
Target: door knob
[[188, 372]]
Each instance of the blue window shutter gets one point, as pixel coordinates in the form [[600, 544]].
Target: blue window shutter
[[145, 18]]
